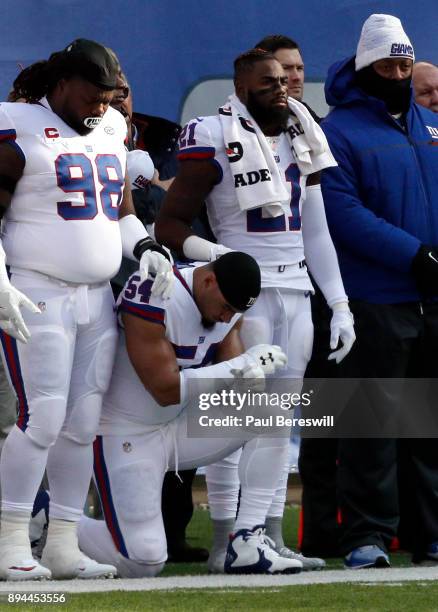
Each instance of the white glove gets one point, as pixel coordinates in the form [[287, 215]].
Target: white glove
[[152, 262], [250, 378], [11, 320], [268, 356], [342, 328]]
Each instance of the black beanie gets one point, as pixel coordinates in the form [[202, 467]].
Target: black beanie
[[238, 277]]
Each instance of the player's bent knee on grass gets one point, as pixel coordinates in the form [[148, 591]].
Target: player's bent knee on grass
[[148, 549], [127, 568]]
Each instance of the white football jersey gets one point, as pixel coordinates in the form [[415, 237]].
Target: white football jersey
[[273, 241], [127, 406], [63, 216]]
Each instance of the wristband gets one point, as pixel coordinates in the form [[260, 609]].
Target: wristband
[[199, 249], [147, 244], [340, 306]]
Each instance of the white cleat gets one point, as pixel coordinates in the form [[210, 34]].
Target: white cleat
[[23, 569], [309, 563], [89, 568], [16, 561], [67, 567], [250, 551]]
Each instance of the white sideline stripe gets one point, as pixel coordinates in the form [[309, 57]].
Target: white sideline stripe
[[366, 576]]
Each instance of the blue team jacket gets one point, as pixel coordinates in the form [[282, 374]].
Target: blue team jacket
[[382, 200]]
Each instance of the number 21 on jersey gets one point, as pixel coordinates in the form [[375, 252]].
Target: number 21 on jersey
[[255, 222], [75, 174]]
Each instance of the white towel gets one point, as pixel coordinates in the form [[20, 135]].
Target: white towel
[[256, 176], [311, 148]]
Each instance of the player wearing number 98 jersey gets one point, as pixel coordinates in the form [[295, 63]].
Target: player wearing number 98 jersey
[[252, 132], [67, 219], [65, 207]]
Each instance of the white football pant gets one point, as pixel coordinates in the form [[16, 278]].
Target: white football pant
[[283, 317], [59, 378], [129, 472]]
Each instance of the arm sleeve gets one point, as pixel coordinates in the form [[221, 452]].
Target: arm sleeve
[[319, 251], [354, 226]]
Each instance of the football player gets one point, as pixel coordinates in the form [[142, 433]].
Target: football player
[[167, 353], [66, 221], [282, 243]]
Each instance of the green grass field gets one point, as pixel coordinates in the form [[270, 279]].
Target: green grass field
[[415, 596], [412, 596]]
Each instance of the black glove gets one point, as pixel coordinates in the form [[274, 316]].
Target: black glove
[[147, 244], [425, 270]]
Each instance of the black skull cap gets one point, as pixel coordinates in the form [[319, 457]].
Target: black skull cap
[[238, 278], [91, 61]]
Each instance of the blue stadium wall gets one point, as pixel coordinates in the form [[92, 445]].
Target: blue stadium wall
[[169, 48]]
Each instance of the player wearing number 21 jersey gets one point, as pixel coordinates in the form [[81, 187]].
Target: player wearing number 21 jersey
[[261, 199], [273, 240], [67, 219]]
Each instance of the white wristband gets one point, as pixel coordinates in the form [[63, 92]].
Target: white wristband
[[131, 231], [338, 306], [200, 249], [197, 248]]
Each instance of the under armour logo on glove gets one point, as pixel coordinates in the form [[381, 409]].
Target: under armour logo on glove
[[264, 360], [269, 356]]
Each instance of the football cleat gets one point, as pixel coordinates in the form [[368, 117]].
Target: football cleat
[[88, 568], [216, 560], [15, 568], [66, 567], [250, 551], [309, 563], [366, 556]]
